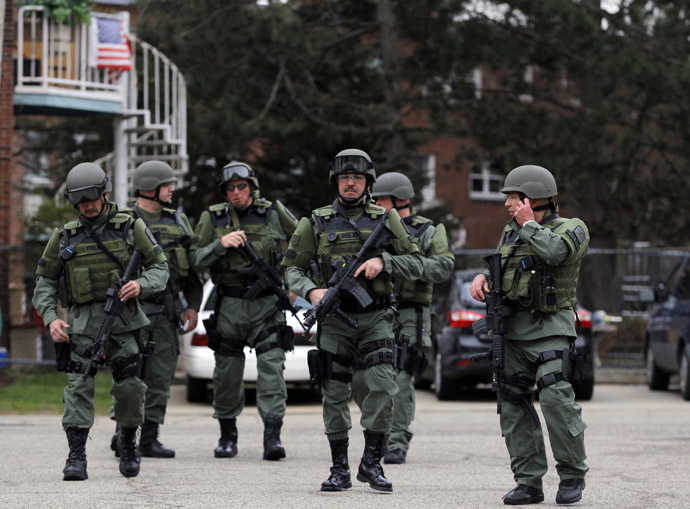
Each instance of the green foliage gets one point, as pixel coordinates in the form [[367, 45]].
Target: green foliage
[[63, 10], [606, 109], [287, 86], [35, 391], [49, 216]]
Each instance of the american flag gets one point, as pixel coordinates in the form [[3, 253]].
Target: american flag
[[108, 46]]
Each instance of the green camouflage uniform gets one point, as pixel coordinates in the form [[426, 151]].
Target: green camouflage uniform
[[87, 277], [327, 237], [543, 320], [413, 300], [174, 234], [268, 226]]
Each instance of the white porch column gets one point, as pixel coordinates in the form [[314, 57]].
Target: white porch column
[[120, 161]]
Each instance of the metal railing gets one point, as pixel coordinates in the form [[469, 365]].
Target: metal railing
[[57, 56], [53, 58]]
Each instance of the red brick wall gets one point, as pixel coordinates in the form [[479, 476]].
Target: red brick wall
[[7, 215], [483, 220]]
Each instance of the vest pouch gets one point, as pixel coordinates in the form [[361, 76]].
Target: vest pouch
[[80, 285], [548, 298]]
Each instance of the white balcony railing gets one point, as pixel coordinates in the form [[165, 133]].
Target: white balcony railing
[[150, 101]]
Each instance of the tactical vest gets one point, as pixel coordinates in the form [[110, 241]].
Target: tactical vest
[[172, 235], [417, 290], [338, 240], [257, 226], [90, 271], [529, 282]]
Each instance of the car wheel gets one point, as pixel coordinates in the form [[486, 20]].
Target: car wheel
[[584, 390], [657, 380], [196, 390], [442, 385], [685, 374]]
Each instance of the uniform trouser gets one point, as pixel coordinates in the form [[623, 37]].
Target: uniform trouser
[[128, 394], [242, 320], [378, 380], [561, 413], [161, 369], [404, 401]]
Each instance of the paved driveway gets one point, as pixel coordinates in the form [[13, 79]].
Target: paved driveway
[[638, 444]]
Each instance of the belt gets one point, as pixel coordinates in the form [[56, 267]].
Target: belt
[[352, 306], [411, 305], [238, 292]]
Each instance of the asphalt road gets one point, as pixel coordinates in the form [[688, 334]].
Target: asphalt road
[[638, 443]]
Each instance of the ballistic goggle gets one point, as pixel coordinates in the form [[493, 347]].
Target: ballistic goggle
[[357, 164], [236, 171], [86, 194]]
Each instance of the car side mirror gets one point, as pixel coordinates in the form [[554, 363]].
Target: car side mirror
[[647, 296]]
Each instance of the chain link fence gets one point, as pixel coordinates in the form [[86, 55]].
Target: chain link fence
[[610, 284]]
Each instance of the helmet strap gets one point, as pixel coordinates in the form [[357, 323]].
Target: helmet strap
[[351, 203], [155, 197], [543, 207], [399, 207]]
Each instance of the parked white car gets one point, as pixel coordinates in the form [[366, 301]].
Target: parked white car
[[199, 361]]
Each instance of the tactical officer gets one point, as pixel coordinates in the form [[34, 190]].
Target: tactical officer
[[154, 183], [540, 257], [394, 191], [328, 239], [79, 265], [223, 230]]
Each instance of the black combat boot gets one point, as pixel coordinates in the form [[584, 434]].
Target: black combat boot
[[227, 445], [570, 491], [113, 441], [273, 449], [370, 469], [149, 445], [523, 495], [129, 453], [340, 471], [395, 456], [75, 466]]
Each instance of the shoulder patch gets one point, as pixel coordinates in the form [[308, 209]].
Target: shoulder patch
[[577, 235]]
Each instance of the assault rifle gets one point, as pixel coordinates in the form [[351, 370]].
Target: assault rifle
[[266, 279], [343, 280], [113, 308], [496, 322]]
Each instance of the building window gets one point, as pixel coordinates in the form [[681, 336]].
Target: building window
[[486, 183], [425, 164]]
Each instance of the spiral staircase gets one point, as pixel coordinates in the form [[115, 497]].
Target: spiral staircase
[[148, 103]]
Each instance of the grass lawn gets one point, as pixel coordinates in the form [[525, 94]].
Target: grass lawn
[[40, 391]]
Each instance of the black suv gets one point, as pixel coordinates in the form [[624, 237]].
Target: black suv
[[667, 341], [453, 343]]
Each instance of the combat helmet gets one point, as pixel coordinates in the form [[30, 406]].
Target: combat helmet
[[236, 170], [393, 184], [351, 160], [86, 182], [532, 181], [152, 174]]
